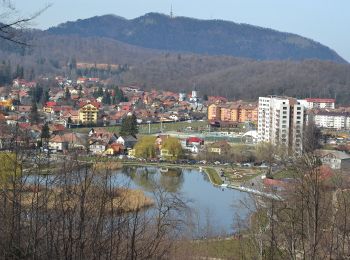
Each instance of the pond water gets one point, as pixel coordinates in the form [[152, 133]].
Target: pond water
[[216, 210]]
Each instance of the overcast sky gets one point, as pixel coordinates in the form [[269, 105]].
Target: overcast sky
[[325, 21]]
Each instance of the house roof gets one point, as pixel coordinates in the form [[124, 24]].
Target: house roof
[[129, 138], [74, 138], [194, 140], [116, 147], [321, 100], [50, 104], [336, 154], [57, 127], [94, 103]]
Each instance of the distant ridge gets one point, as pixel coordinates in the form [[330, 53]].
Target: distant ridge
[[225, 75], [210, 37]]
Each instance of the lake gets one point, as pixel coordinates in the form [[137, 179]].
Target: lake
[[216, 210]]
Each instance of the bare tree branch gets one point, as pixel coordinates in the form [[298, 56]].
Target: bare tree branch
[[11, 23]]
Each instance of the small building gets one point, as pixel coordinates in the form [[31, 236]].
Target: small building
[[194, 141], [58, 143], [336, 160], [127, 141], [115, 149], [219, 147], [97, 147]]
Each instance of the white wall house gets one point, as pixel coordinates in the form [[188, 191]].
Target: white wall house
[[335, 159]]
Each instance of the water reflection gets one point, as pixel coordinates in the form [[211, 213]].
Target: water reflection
[[214, 210], [171, 179]]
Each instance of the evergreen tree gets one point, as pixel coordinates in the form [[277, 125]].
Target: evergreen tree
[[32, 74], [45, 97], [80, 91], [67, 95], [5, 73], [100, 92], [45, 131], [129, 126], [73, 63], [34, 115], [118, 96], [106, 98], [19, 72], [69, 121], [37, 93]]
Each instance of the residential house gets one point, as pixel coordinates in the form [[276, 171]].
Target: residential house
[[97, 147], [115, 149], [25, 109], [220, 147], [194, 141], [336, 160], [71, 116], [58, 143], [48, 108], [68, 141], [127, 141]]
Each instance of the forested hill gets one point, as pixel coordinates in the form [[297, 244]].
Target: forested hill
[[236, 78], [210, 37]]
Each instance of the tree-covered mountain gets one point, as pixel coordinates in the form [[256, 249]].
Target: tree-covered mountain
[[210, 37], [233, 77]]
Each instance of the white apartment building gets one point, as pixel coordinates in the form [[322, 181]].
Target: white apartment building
[[316, 103], [281, 122], [332, 120]]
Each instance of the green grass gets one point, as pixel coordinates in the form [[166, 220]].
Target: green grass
[[213, 176], [246, 174], [223, 249], [285, 173]]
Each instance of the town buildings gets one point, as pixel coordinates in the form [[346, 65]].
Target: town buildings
[[316, 103], [233, 112], [88, 114], [331, 119], [281, 122]]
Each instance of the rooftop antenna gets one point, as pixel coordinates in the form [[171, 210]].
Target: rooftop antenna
[[171, 12]]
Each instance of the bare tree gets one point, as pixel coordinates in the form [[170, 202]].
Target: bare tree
[[12, 23]]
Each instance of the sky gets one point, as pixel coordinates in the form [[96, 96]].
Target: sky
[[325, 21]]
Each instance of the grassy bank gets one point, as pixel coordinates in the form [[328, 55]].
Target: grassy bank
[[213, 176], [240, 175], [229, 248]]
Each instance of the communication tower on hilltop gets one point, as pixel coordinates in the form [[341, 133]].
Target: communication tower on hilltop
[[171, 12]]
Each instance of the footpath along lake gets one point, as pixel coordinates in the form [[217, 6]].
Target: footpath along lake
[[211, 204]]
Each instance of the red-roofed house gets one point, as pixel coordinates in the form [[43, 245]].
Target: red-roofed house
[[49, 106], [194, 141]]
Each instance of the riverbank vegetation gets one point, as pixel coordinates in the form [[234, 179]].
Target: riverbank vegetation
[[82, 213], [213, 176]]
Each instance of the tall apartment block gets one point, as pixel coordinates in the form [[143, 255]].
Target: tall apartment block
[[281, 122]]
